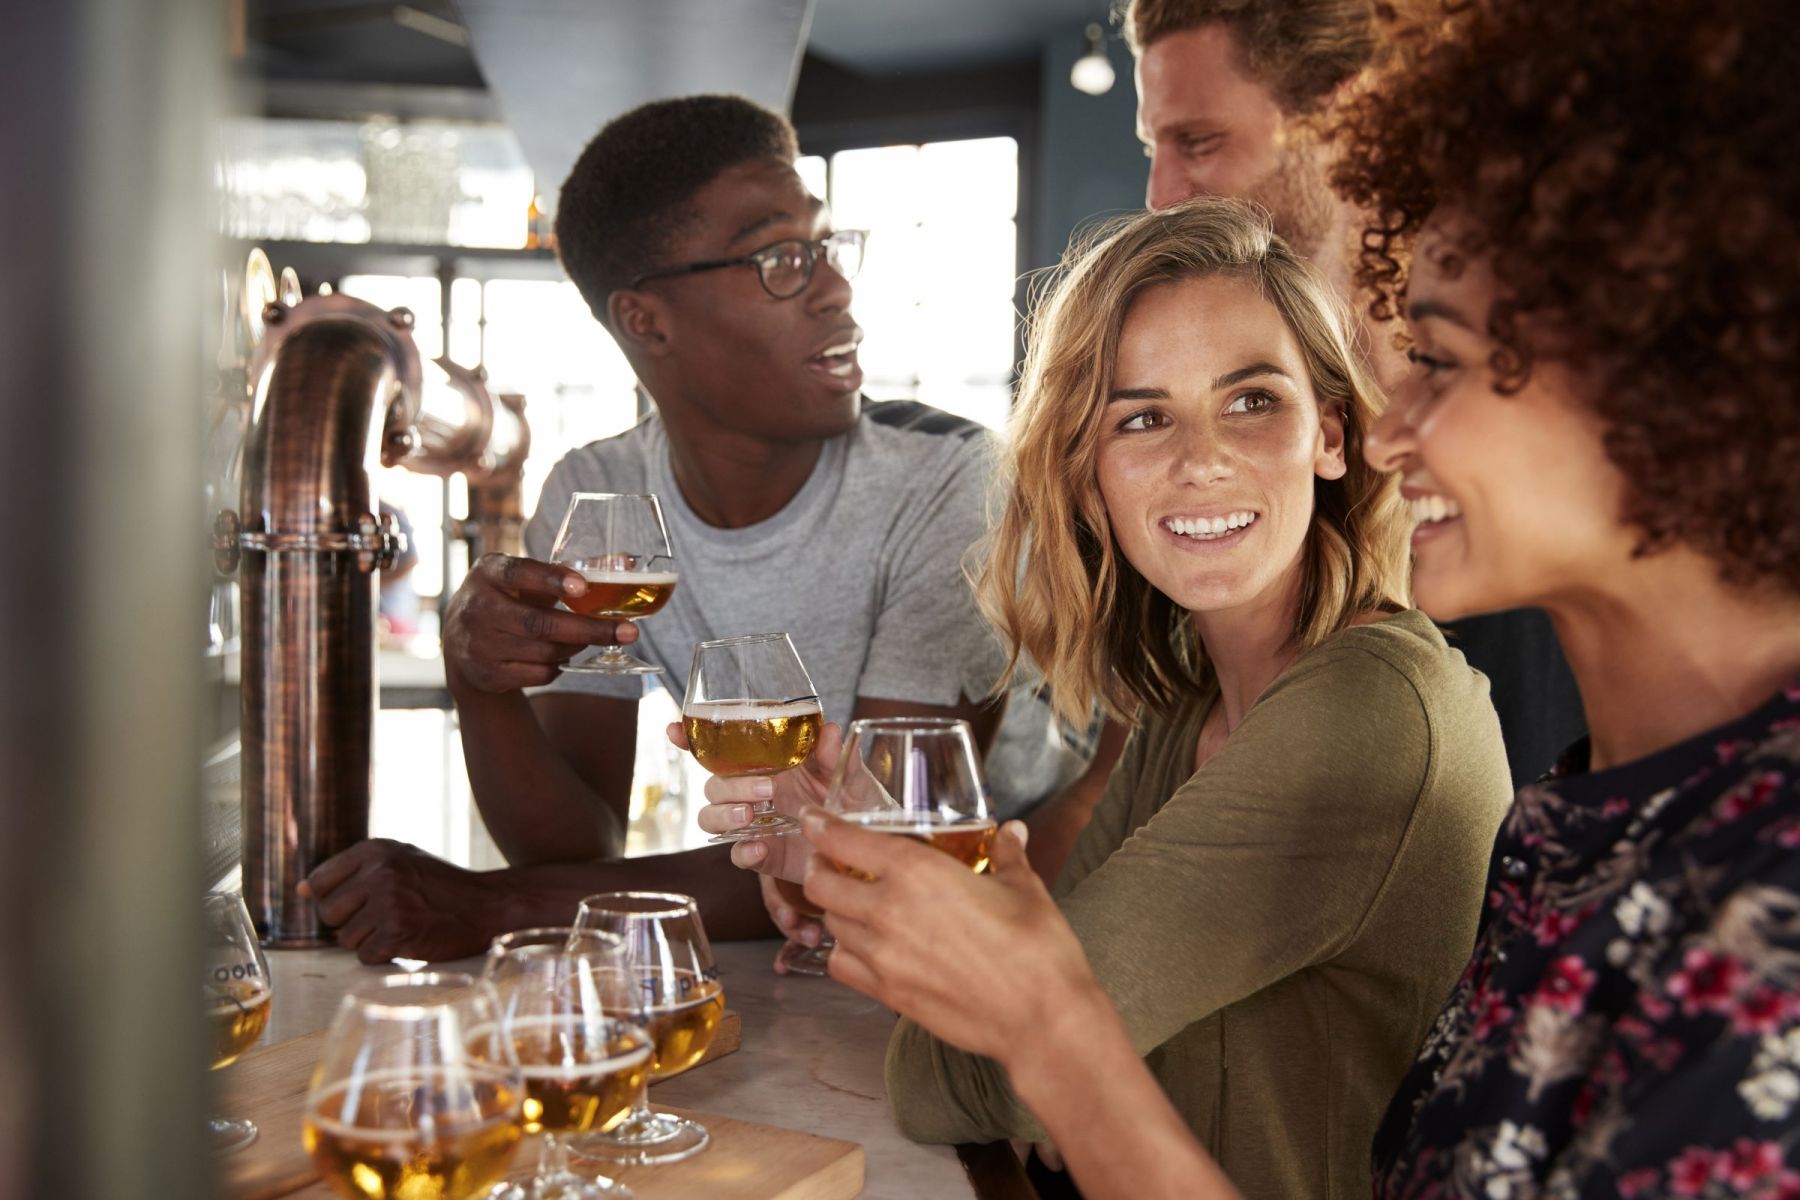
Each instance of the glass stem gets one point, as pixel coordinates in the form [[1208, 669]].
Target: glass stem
[[553, 1160]]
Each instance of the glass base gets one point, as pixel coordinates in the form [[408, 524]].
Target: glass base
[[620, 663], [801, 959], [762, 825], [646, 1139], [228, 1135], [561, 1186]]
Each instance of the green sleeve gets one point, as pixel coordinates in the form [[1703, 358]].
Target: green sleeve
[[1265, 862], [1110, 822]]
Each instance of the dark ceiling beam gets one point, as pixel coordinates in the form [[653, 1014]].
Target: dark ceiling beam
[[407, 16], [321, 100]]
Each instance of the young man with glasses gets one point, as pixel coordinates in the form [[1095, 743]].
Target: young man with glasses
[[793, 505]]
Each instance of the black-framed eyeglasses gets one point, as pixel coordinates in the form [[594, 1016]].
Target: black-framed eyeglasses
[[785, 267]]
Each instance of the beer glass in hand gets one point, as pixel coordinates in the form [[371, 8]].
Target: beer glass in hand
[[418, 1094], [237, 999], [584, 1067], [675, 996], [919, 778], [619, 544], [750, 709]]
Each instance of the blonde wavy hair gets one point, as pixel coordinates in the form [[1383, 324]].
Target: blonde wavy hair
[[1053, 581]]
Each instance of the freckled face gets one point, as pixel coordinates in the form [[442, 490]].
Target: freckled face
[[1515, 500], [1211, 442]]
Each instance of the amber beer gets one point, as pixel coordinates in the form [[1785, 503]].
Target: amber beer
[[622, 593], [751, 737], [364, 1157], [237, 1015], [574, 1087], [681, 1015], [969, 841]]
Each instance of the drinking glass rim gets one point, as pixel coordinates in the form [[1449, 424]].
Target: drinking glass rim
[[744, 639], [918, 724], [574, 496], [675, 904], [548, 932], [367, 997]]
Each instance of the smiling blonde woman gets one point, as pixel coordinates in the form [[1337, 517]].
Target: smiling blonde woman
[[1284, 874]]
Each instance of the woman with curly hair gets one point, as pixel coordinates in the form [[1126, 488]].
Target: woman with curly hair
[[1589, 217]]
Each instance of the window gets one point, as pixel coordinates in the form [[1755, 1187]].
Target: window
[[935, 297]]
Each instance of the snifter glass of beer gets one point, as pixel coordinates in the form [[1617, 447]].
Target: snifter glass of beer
[[619, 544], [237, 1001], [673, 993], [418, 1092], [584, 1067], [918, 778], [750, 709]]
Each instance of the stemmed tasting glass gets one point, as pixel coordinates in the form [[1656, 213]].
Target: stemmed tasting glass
[[750, 709], [418, 1093], [675, 997], [619, 544], [584, 1068], [238, 995], [919, 778]]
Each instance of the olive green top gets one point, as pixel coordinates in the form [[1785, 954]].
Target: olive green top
[[1278, 929]]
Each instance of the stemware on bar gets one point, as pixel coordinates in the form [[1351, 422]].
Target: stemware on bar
[[417, 1093], [238, 997], [675, 995], [584, 1067]]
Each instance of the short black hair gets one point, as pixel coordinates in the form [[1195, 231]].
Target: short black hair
[[630, 191]]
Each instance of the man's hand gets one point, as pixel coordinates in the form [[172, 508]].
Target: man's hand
[[388, 899], [503, 631]]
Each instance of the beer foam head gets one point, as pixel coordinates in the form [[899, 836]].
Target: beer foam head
[[629, 578], [748, 710], [897, 820]]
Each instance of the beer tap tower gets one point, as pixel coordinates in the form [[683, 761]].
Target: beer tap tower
[[336, 391]]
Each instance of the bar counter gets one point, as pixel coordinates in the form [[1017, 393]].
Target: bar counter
[[811, 1058]]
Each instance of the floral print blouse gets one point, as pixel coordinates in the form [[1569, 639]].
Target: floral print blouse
[[1629, 1022]]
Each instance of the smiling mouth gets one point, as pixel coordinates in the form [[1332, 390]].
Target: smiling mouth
[[837, 360], [1209, 529], [1433, 510]]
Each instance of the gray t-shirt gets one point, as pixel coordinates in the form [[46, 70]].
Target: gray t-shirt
[[863, 569]]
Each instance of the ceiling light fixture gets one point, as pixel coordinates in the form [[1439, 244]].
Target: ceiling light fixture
[[1093, 71]]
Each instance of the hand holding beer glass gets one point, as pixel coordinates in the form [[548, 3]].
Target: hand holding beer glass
[[750, 709], [418, 1094], [919, 778], [619, 544], [675, 996], [238, 996], [583, 1067]]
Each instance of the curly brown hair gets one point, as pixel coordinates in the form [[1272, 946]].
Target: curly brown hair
[[1629, 171], [631, 191], [1301, 50]]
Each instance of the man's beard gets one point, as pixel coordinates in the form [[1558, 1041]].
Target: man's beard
[[1300, 201]]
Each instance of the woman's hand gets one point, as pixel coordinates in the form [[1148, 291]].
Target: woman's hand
[[731, 803], [985, 962]]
